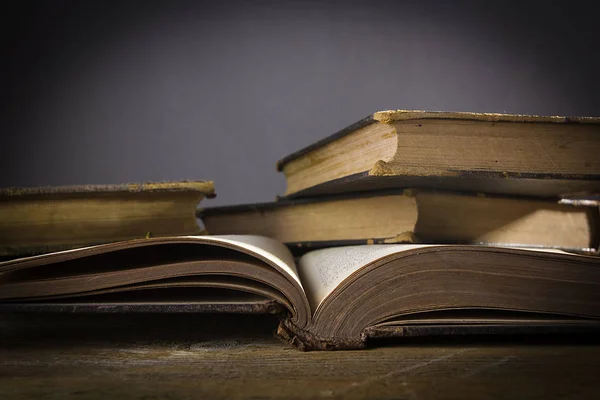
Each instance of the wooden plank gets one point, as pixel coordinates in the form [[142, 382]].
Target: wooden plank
[[185, 356]]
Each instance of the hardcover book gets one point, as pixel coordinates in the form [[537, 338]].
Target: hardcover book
[[487, 153], [45, 219], [336, 298], [414, 216]]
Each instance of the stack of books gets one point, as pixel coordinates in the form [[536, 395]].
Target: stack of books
[[406, 223]]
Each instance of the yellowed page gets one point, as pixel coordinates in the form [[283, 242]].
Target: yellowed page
[[322, 271], [274, 251]]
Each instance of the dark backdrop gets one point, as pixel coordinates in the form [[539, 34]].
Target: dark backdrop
[[122, 91]]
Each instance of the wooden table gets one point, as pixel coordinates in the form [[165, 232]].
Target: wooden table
[[208, 356]]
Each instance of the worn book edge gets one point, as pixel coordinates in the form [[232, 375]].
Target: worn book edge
[[389, 116], [206, 188], [307, 341], [320, 143]]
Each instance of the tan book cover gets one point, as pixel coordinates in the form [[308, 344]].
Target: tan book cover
[[413, 216], [477, 152], [43, 219]]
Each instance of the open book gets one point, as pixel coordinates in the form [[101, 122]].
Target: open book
[[332, 298]]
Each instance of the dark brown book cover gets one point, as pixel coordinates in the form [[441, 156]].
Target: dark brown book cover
[[307, 341], [512, 184], [257, 306]]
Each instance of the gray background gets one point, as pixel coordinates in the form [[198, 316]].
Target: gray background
[[108, 92]]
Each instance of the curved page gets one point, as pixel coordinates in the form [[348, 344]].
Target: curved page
[[276, 253], [323, 270], [263, 248]]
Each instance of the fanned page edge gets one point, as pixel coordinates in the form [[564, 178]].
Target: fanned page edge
[[317, 292], [283, 261], [315, 265]]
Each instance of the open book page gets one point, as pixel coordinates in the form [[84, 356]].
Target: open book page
[[272, 250], [323, 270]]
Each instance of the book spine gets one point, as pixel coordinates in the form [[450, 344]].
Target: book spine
[[306, 341]]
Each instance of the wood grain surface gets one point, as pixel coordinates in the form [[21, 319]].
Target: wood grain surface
[[224, 356]]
